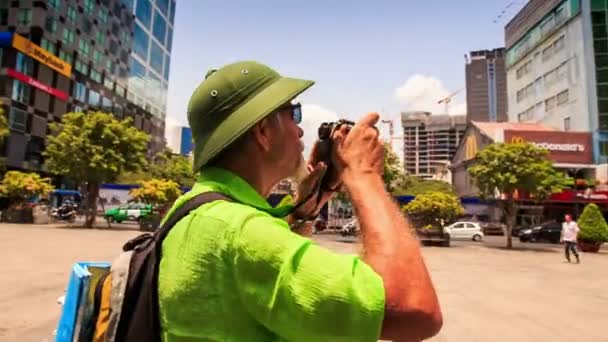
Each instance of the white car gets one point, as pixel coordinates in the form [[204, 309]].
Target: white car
[[464, 230]]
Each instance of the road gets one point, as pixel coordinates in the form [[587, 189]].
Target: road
[[486, 292]]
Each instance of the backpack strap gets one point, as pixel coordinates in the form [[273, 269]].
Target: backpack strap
[[159, 235]]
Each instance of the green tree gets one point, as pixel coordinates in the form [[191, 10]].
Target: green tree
[[165, 165], [502, 171], [433, 209], [412, 185], [393, 171], [18, 186], [94, 148], [159, 192], [176, 167], [594, 228], [4, 132]]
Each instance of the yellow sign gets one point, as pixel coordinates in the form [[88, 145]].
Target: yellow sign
[[470, 147], [41, 55]]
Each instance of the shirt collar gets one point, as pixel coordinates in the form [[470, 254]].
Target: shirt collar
[[235, 187]]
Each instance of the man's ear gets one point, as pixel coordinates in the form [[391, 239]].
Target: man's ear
[[262, 132]]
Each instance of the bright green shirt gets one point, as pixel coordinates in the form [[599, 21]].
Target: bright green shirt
[[230, 271]]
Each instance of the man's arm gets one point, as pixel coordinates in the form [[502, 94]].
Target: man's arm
[[412, 310]]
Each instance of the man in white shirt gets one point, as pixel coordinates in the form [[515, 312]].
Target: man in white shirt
[[569, 233]]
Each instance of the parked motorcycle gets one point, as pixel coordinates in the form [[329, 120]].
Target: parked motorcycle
[[349, 229], [68, 211]]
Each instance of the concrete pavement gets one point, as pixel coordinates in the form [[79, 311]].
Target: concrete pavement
[[487, 293]]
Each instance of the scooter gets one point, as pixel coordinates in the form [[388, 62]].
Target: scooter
[[66, 212]]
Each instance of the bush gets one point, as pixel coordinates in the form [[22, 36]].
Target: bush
[[18, 187], [593, 225]]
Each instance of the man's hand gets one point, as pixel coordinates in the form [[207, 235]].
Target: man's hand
[[308, 203], [358, 152]]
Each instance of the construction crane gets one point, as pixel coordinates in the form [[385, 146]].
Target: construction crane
[[446, 100]]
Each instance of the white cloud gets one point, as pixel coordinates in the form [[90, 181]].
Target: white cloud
[[421, 92], [313, 116]]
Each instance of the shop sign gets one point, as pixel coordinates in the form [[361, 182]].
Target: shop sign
[[41, 55], [37, 84]]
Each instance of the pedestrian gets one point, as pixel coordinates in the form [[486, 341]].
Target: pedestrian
[[569, 234], [237, 271]]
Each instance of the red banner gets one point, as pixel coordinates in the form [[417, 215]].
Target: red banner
[[580, 196], [35, 83]]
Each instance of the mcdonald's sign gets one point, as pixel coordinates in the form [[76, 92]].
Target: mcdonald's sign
[[563, 147]]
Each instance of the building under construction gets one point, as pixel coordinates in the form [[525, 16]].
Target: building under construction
[[430, 141]]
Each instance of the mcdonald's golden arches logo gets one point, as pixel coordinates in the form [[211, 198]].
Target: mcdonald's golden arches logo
[[470, 147]]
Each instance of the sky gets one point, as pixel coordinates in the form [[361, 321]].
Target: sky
[[365, 56]]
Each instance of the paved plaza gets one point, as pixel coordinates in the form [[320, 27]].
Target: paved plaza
[[487, 293]]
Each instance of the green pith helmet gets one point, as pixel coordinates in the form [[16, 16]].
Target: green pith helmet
[[231, 100]]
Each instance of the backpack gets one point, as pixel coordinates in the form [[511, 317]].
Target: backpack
[[126, 297]]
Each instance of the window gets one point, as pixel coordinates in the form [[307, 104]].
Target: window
[[55, 3], [48, 46], [110, 67], [77, 109], [87, 25], [567, 123], [97, 57], [3, 16], [547, 26], [125, 36], [50, 24], [167, 63], [100, 38], [94, 98], [25, 64], [603, 148], [80, 92], [24, 17], [141, 42], [65, 56], [156, 58], [95, 76], [81, 67], [172, 14], [68, 36], [107, 82], [103, 15], [120, 91], [89, 6], [522, 70], [169, 39], [71, 13], [163, 5], [106, 104], [143, 12], [83, 48], [21, 92], [160, 28], [562, 98], [17, 120], [550, 104]]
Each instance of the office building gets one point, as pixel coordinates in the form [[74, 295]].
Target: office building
[[430, 141], [59, 56], [486, 84], [557, 68]]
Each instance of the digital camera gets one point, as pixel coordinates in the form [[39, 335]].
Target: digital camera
[[324, 147]]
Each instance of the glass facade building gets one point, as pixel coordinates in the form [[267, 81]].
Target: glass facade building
[[61, 56]]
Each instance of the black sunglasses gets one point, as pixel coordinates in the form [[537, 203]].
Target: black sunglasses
[[296, 111]]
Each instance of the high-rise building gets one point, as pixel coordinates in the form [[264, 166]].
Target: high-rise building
[[59, 56], [557, 67], [430, 141], [486, 83]]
